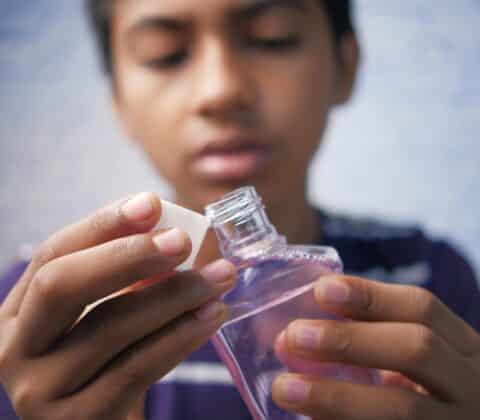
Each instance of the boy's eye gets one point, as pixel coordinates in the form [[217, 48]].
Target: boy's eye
[[168, 61], [275, 44]]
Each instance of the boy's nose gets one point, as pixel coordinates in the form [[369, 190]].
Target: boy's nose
[[223, 87]]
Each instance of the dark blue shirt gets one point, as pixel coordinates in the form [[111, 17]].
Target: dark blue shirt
[[201, 388]]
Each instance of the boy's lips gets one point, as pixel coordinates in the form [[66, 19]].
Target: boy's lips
[[233, 159]]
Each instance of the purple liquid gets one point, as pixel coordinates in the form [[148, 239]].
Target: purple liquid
[[271, 293]]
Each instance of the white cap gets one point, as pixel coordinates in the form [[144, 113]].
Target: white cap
[[193, 223]]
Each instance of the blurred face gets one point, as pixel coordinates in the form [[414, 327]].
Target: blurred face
[[224, 93]]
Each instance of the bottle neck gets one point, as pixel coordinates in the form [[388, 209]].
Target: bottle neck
[[242, 226]]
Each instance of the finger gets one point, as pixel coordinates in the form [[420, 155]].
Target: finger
[[357, 298], [412, 349], [72, 282], [390, 378], [133, 371], [118, 323], [330, 399], [125, 217]]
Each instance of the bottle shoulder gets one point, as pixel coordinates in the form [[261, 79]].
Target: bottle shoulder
[[274, 276], [292, 256]]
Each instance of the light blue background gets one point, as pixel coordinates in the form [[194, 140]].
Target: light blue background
[[406, 149]]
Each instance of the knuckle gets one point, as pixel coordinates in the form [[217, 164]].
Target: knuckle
[[173, 286], [333, 399], [6, 350], [96, 412], [368, 302], [25, 399], [101, 221], [194, 291], [186, 286], [4, 358], [45, 253], [128, 248], [185, 336], [424, 343], [45, 281], [68, 412], [424, 303], [342, 340], [131, 377], [99, 412]]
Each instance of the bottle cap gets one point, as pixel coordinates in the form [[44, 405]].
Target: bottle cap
[[193, 223]]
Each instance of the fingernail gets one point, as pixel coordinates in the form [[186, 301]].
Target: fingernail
[[138, 208], [171, 243], [218, 271], [294, 390], [210, 311], [333, 291], [308, 338]]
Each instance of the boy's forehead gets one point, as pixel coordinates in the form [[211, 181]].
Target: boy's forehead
[[135, 8]]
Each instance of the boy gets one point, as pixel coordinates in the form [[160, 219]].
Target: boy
[[219, 94]]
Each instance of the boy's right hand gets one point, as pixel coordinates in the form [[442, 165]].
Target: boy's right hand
[[55, 365]]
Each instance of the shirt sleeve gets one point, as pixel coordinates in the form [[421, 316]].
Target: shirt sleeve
[[454, 281], [10, 278], [7, 282]]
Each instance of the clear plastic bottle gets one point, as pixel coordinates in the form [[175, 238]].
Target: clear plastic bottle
[[274, 287]]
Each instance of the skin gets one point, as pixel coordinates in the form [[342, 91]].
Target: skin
[[223, 84]]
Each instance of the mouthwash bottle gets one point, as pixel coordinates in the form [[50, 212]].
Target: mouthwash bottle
[[274, 287]]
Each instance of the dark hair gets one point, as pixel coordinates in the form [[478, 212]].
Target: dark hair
[[339, 13]]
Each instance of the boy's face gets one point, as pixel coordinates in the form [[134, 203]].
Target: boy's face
[[223, 93]]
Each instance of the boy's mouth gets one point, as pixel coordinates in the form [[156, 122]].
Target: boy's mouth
[[233, 159]]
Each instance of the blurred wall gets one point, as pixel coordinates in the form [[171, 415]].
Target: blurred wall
[[406, 149]]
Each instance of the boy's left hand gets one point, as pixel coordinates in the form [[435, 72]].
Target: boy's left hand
[[430, 357]]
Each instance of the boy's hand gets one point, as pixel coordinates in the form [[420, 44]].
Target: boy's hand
[[56, 365], [430, 356]]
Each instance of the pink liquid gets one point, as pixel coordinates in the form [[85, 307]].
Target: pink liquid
[[258, 313]]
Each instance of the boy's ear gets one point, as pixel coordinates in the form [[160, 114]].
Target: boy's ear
[[348, 56]]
